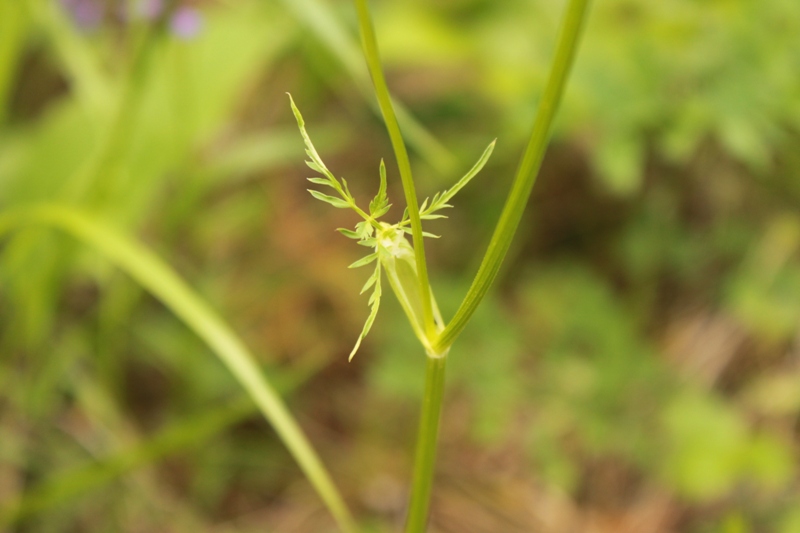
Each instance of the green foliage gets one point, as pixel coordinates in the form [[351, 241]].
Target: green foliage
[[148, 270], [645, 324], [765, 292], [664, 77], [710, 450], [439, 201], [392, 252]]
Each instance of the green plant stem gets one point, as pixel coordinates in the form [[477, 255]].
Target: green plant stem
[[425, 455], [370, 44], [160, 280], [528, 169], [319, 17]]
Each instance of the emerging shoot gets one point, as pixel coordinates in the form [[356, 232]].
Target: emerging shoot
[[390, 250]]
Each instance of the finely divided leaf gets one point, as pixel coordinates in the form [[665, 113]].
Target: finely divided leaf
[[379, 204], [317, 165], [371, 281], [320, 181], [424, 233], [440, 199], [335, 202], [374, 302], [364, 260], [316, 161], [350, 234], [364, 230]]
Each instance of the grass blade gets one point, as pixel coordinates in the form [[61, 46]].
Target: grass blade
[[160, 280]]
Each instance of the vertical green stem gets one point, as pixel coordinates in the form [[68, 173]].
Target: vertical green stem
[[425, 455], [527, 171], [370, 44]]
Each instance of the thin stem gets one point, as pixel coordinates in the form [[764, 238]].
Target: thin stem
[[370, 45], [425, 455], [319, 17], [527, 172]]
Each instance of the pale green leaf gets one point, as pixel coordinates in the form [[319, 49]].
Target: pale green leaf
[[364, 261], [321, 181], [424, 233], [380, 202], [440, 200], [382, 211], [335, 202], [350, 234], [370, 282], [374, 302], [315, 167], [346, 190], [364, 230], [316, 161]]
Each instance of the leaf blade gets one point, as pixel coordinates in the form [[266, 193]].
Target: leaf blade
[[440, 199], [335, 202], [375, 303]]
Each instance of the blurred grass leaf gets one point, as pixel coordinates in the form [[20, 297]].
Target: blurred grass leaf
[[167, 286]]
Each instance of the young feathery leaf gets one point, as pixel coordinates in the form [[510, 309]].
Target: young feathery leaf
[[350, 234], [370, 282], [315, 167], [382, 211], [364, 260], [374, 302], [335, 202], [379, 204], [321, 181], [424, 233], [425, 204], [364, 230], [310, 150], [347, 193], [440, 199]]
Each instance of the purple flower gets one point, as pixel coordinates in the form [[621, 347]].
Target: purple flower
[[86, 14], [186, 23]]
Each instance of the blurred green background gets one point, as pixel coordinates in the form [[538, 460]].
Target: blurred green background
[[636, 369]]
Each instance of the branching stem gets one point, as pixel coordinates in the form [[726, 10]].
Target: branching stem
[[527, 172], [370, 45]]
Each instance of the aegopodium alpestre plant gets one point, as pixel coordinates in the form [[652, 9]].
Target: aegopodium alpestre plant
[[405, 265], [392, 252]]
